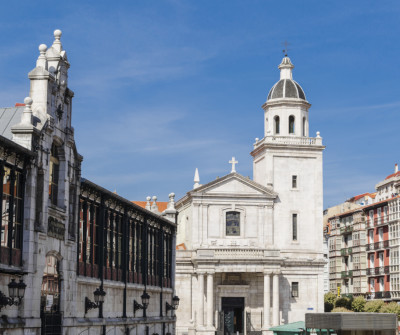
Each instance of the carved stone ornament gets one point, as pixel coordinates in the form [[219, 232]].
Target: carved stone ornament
[[56, 229]]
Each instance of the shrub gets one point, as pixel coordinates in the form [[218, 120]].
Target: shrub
[[340, 310], [391, 307], [343, 302], [329, 301], [358, 304], [373, 306]]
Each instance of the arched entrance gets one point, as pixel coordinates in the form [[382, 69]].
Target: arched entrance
[[50, 298]]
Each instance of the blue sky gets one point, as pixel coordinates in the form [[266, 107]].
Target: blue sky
[[163, 87]]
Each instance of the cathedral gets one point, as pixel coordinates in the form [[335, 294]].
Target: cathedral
[[250, 252]]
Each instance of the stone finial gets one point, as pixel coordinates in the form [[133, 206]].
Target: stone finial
[[318, 134], [196, 179], [154, 206], [26, 118], [148, 205], [57, 43], [396, 168], [42, 61], [171, 204]]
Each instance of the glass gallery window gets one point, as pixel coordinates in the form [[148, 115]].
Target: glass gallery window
[[232, 223], [54, 174], [12, 214]]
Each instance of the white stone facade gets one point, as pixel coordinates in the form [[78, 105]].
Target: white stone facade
[[76, 236], [251, 251]]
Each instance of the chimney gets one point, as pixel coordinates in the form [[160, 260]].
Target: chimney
[[396, 168]]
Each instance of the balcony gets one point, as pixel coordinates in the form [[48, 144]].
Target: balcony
[[346, 274], [377, 245], [378, 271], [346, 251], [346, 230], [382, 295], [309, 141]]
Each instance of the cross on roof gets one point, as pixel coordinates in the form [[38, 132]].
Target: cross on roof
[[233, 162], [285, 51]]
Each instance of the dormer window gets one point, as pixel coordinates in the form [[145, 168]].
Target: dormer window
[[232, 223], [54, 174]]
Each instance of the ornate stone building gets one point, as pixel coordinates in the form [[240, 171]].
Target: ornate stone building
[[89, 261], [251, 251]]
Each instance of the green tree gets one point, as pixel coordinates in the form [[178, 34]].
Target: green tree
[[329, 301], [373, 306], [343, 302], [391, 307], [358, 304]]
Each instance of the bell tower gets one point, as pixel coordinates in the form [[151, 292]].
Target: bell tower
[[290, 162]]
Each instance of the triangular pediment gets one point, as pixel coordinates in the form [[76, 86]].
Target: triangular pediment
[[236, 185]]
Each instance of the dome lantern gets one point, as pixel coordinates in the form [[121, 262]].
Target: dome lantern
[[286, 87], [286, 68]]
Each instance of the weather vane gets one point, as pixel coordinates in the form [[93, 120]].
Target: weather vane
[[285, 51]]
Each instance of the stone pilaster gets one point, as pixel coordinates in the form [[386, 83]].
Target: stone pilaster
[[267, 301], [275, 299], [200, 317], [210, 299]]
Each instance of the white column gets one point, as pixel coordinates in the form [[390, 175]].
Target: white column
[[200, 319], [275, 299], [210, 299], [267, 301]]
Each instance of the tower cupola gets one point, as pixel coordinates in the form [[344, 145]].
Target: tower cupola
[[286, 87]]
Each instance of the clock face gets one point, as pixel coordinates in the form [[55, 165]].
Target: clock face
[[232, 224]]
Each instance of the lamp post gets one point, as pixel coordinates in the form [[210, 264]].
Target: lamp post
[[99, 295], [16, 292], [145, 303], [174, 306]]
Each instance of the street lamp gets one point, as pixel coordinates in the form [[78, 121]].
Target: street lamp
[[145, 303], [99, 295], [174, 306], [16, 292]]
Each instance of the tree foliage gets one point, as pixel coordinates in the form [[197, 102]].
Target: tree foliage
[[343, 302], [391, 307], [329, 301], [373, 306], [340, 310], [358, 304]]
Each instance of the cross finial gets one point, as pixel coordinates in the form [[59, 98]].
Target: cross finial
[[286, 45], [233, 162]]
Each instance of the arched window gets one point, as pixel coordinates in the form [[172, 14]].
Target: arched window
[[232, 223], [54, 174], [291, 124], [304, 126], [276, 119]]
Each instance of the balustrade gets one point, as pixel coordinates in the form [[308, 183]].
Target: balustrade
[[293, 140]]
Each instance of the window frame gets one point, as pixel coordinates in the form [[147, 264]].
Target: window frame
[[225, 222], [295, 220], [294, 182], [294, 289]]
